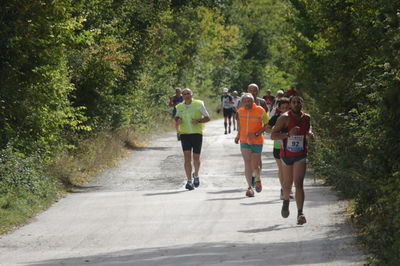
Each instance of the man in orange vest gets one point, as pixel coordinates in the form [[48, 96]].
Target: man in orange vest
[[254, 90], [252, 120]]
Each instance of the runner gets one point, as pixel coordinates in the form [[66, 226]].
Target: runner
[[190, 118], [291, 92], [253, 89], [173, 101], [292, 128], [236, 101], [227, 105], [251, 123], [283, 106], [268, 98], [279, 94]]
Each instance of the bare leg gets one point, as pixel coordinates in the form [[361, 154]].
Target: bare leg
[[188, 164], [299, 171], [196, 163], [255, 160], [225, 123], [246, 153], [287, 171], [280, 173]]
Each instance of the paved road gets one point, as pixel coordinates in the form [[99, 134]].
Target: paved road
[[140, 214]]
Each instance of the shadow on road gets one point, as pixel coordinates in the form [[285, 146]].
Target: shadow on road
[[261, 202], [226, 191], [165, 193], [153, 148], [235, 198], [84, 189], [223, 253], [276, 227]]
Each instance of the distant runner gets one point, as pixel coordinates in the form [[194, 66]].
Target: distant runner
[[279, 94], [236, 101], [227, 105], [251, 122], [173, 102], [268, 98], [291, 92], [292, 128], [190, 118]]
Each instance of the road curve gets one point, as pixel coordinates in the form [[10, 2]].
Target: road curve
[[139, 213]]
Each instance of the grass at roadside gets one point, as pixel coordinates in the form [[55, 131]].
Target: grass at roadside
[[26, 187]]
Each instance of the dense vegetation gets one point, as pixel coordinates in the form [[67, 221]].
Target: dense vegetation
[[73, 71], [347, 61]]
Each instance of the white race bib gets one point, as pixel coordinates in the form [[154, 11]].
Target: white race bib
[[295, 143]]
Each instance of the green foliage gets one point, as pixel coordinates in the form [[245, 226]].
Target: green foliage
[[24, 189], [346, 59], [34, 82]]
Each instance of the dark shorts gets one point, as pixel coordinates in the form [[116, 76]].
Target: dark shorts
[[293, 159], [228, 112], [192, 141], [276, 153], [173, 112]]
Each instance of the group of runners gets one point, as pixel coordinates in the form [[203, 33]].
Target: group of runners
[[289, 127]]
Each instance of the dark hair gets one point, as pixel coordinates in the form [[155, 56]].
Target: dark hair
[[283, 100], [294, 96]]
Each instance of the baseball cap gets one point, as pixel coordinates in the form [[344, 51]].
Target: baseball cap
[[280, 92], [225, 90]]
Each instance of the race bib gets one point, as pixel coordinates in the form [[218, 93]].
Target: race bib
[[295, 143]]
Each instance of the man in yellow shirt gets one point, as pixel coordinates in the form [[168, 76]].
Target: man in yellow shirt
[[190, 118]]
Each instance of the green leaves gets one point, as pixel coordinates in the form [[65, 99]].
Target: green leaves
[[347, 63]]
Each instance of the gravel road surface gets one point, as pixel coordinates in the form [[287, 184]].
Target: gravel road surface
[[139, 213]]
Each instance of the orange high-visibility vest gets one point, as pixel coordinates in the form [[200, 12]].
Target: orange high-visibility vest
[[252, 121]]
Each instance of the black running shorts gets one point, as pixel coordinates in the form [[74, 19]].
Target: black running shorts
[[276, 153], [228, 112], [192, 141], [293, 159]]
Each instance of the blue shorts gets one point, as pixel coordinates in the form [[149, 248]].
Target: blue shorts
[[255, 148]]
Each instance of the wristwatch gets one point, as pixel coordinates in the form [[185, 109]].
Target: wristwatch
[[257, 134]]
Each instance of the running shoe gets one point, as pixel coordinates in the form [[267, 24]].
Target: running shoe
[[226, 132], [301, 219], [258, 185], [189, 185], [196, 181], [253, 181], [285, 209], [250, 192], [178, 136]]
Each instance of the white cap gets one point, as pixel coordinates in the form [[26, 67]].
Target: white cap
[[280, 92], [225, 90]]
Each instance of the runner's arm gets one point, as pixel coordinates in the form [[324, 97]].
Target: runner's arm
[[276, 133], [271, 123], [310, 133], [206, 116]]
